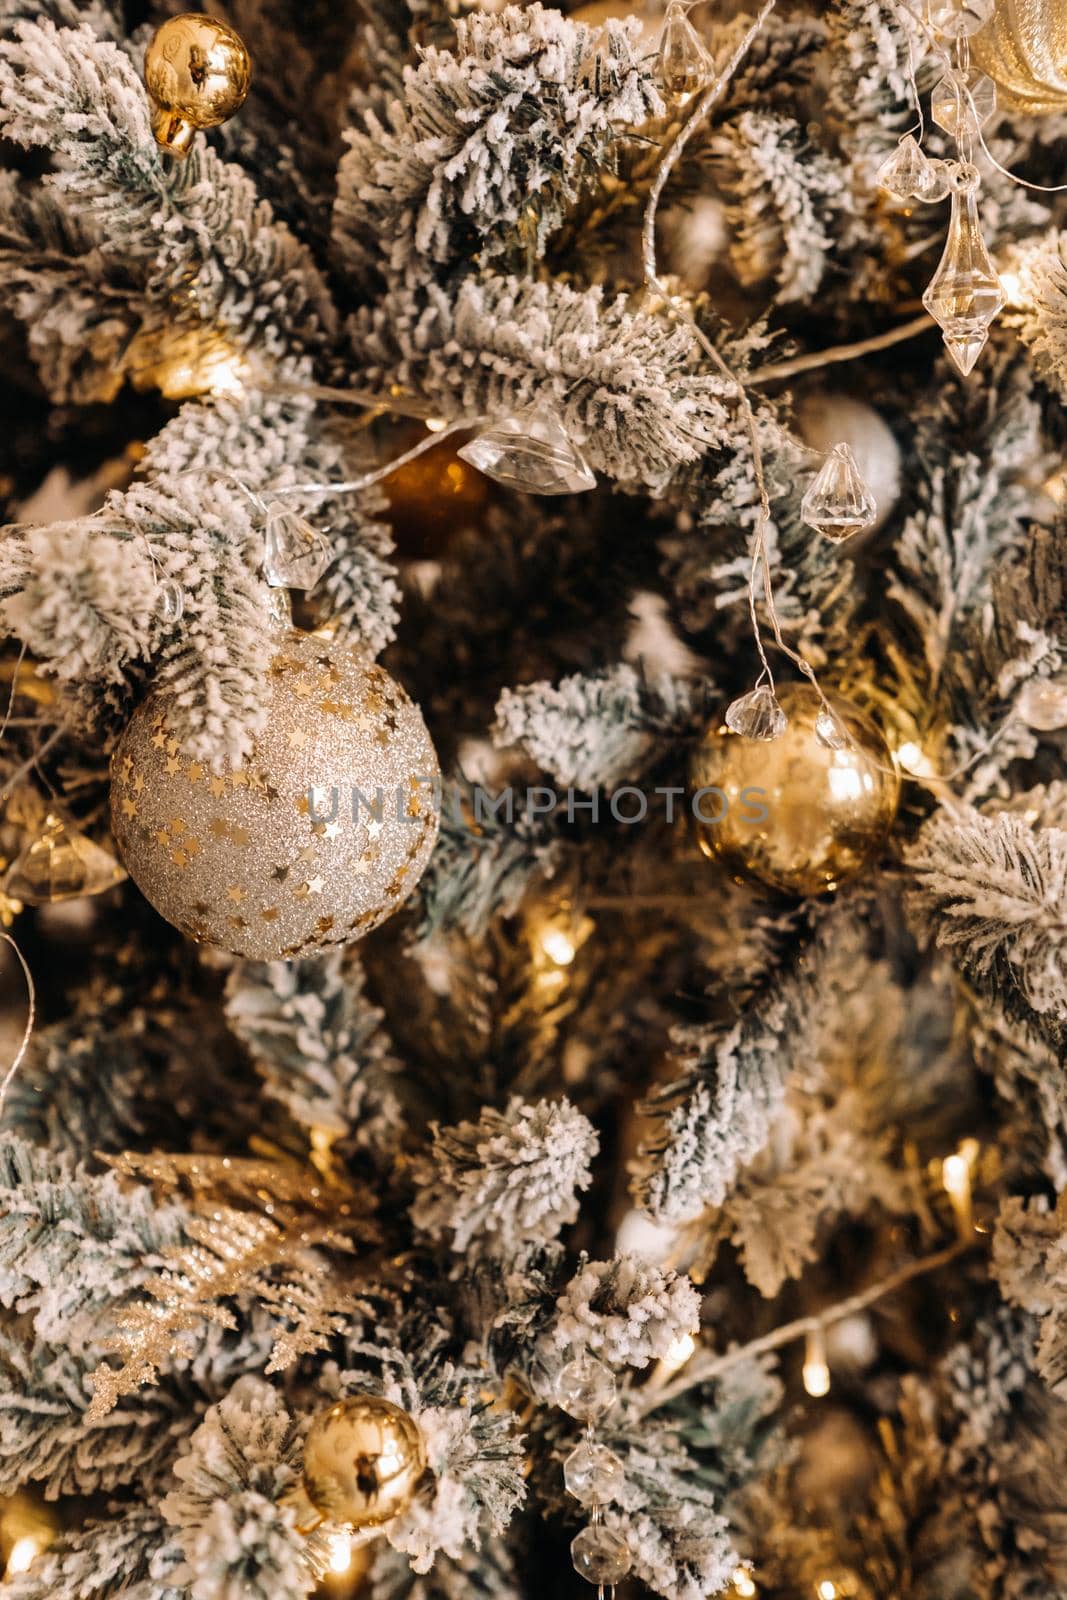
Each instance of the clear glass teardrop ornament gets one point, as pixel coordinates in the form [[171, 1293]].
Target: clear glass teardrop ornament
[[684, 65], [965, 294]]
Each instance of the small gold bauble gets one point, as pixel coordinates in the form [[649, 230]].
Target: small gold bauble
[[1023, 48], [321, 835], [792, 812], [362, 1461], [197, 72]]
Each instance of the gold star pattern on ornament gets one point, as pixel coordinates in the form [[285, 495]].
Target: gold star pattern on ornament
[[235, 893]]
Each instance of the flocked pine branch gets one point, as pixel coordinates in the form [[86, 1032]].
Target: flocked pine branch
[[128, 1554], [1041, 264], [318, 1044], [507, 1182], [712, 1120], [629, 385], [992, 890], [224, 1514], [191, 231], [74, 1244], [498, 134], [785, 203], [595, 730]]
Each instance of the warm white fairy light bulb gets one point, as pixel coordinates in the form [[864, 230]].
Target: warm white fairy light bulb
[[23, 1554], [340, 1553], [679, 1351], [743, 1584], [816, 1371], [827, 1590], [956, 1173], [558, 946]]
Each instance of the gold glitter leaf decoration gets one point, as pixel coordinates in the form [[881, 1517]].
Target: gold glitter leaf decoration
[[257, 1236]]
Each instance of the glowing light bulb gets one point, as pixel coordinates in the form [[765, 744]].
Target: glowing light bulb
[[678, 1353], [224, 375], [914, 759], [956, 1176], [816, 1371], [558, 946], [827, 1590], [23, 1554], [743, 1584], [1012, 284], [340, 1552], [436, 424]]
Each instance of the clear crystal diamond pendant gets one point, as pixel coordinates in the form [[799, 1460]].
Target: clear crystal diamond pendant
[[531, 451], [684, 64], [909, 174], [757, 714], [838, 502], [60, 864], [965, 294], [295, 556]]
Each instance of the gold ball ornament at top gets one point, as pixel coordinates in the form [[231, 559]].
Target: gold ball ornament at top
[[197, 73], [317, 838], [1023, 48], [791, 812], [363, 1459]]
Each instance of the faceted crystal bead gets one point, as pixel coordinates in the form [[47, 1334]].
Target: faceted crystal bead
[[936, 182], [585, 1388], [171, 600], [838, 502], [959, 19], [532, 452], [957, 103], [965, 294], [600, 1556], [592, 1473], [1042, 704], [684, 62], [904, 172], [295, 556], [60, 864], [756, 715], [829, 732]]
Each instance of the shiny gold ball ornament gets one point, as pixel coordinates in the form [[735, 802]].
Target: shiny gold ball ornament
[[793, 812], [1023, 48], [363, 1459], [316, 839], [197, 72]]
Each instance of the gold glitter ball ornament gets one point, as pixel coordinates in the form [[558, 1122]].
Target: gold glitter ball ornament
[[1023, 48], [316, 839], [197, 73], [793, 812], [362, 1461]]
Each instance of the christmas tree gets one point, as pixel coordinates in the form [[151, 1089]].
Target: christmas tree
[[534, 830]]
